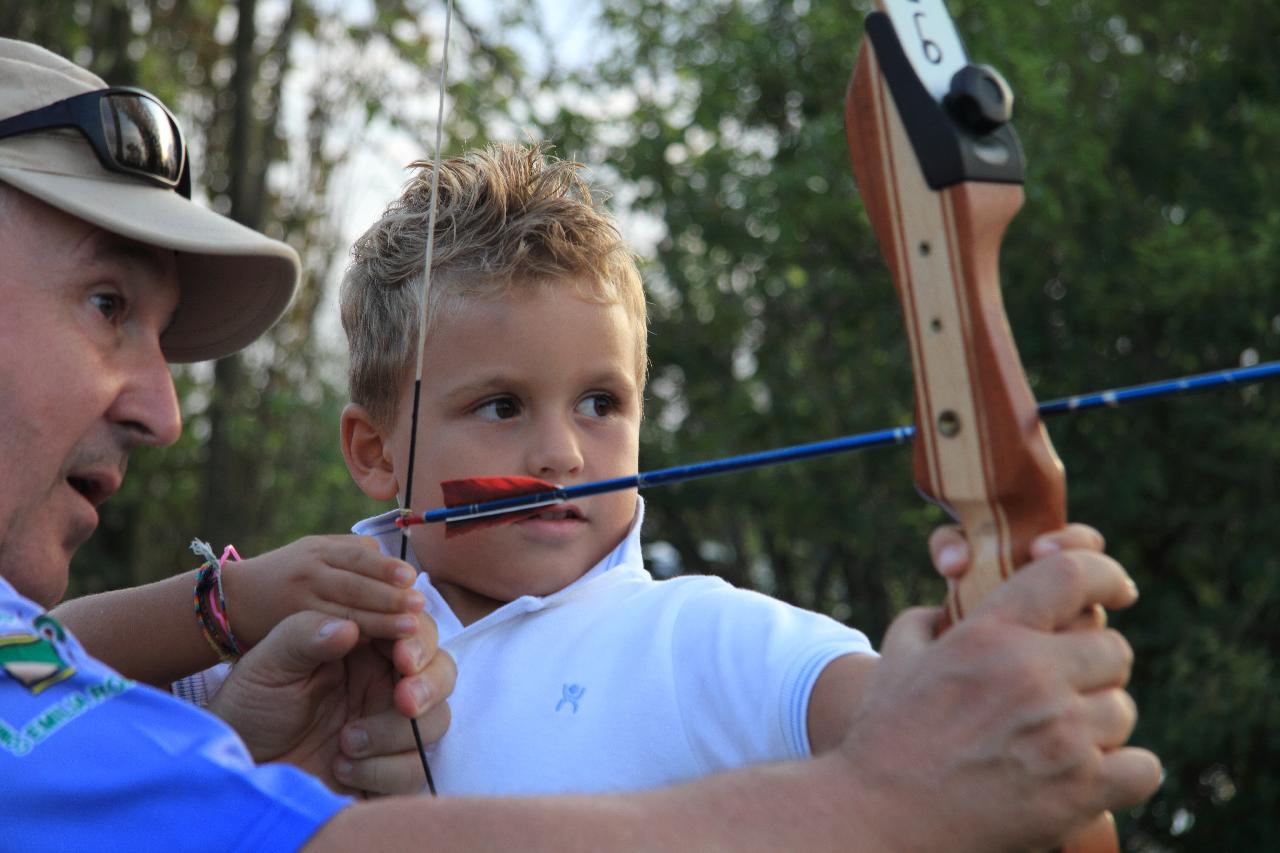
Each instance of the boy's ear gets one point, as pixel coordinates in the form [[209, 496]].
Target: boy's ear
[[368, 454]]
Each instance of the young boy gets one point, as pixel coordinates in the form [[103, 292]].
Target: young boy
[[576, 670]]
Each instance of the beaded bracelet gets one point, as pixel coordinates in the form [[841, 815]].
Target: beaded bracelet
[[210, 603]]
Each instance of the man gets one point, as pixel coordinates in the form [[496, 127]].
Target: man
[[1006, 733]]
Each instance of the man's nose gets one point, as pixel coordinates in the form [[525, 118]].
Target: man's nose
[[554, 451], [147, 405]]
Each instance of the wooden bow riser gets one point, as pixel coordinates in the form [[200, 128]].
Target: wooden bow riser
[[980, 449]]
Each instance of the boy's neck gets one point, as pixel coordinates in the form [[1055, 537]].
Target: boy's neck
[[468, 605]]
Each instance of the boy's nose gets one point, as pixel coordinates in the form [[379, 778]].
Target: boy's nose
[[555, 452]]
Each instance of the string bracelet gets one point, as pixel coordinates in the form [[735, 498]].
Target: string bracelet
[[210, 603]]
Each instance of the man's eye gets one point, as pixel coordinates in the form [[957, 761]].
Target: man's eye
[[499, 409], [597, 405], [111, 305]]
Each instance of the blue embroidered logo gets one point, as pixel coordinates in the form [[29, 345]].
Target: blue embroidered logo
[[570, 695]]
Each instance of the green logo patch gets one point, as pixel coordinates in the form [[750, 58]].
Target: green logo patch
[[37, 660]]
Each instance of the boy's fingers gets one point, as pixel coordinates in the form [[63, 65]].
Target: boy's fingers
[[360, 555], [1052, 592], [949, 551], [378, 626], [353, 592]]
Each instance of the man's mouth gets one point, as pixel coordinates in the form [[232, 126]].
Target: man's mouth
[[94, 486]]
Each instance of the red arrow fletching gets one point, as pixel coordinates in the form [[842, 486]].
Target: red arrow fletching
[[474, 490]]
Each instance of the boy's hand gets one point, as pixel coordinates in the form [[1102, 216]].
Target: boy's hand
[[950, 552], [342, 576]]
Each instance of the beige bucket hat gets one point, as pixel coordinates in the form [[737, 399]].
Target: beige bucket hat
[[234, 282]]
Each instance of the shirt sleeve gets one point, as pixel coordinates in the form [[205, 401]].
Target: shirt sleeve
[[744, 666], [92, 761]]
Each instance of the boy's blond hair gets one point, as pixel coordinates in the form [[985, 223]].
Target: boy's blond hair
[[509, 218]]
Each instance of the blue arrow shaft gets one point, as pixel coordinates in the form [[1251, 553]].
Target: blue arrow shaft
[[880, 438]]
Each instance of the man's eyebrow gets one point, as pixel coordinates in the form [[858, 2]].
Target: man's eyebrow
[[121, 250]]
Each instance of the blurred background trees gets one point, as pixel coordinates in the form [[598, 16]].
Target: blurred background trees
[[1147, 248]]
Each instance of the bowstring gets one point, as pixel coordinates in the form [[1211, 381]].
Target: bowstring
[[422, 333]]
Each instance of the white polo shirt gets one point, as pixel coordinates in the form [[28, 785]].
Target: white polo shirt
[[619, 682]]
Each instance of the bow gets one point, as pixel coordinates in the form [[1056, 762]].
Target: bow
[[940, 173]]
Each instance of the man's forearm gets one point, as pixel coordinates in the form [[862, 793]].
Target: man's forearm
[[806, 805]]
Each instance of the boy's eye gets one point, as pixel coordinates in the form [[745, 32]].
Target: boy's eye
[[110, 305], [597, 405], [499, 409]]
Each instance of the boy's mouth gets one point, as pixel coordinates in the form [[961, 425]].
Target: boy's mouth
[[562, 512]]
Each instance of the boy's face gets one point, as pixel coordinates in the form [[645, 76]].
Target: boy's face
[[540, 383]]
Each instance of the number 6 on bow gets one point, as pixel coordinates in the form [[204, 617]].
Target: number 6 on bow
[[940, 172]]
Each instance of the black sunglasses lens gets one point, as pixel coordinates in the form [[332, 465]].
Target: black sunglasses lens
[[141, 136]]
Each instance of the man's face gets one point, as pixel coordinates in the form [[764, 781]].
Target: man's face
[[82, 381], [542, 384]]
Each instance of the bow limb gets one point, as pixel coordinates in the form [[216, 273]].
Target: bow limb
[[940, 173]]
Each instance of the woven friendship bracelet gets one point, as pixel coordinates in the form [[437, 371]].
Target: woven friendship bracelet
[[210, 604]]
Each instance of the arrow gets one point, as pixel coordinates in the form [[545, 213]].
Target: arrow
[[480, 502]]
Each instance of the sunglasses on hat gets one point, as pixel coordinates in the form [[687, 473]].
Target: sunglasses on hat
[[129, 129]]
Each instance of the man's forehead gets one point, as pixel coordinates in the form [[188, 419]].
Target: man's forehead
[[107, 247]]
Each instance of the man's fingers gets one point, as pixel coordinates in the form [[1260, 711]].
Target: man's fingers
[[1072, 537], [1092, 660], [388, 733], [380, 754], [300, 645], [411, 654], [1052, 592], [418, 693], [911, 632], [1110, 716], [384, 774], [1128, 776], [1092, 618]]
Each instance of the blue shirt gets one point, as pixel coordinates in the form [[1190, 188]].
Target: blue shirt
[[90, 760]]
